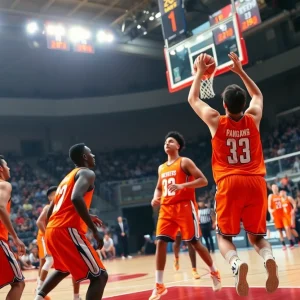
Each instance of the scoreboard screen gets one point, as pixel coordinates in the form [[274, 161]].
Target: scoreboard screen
[[173, 18], [247, 10], [57, 43]]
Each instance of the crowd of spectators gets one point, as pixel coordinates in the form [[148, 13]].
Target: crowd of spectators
[[143, 162]]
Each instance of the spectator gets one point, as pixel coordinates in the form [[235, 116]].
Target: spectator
[[108, 250], [296, 166], [34, 257], [122, 231], [27, 206]]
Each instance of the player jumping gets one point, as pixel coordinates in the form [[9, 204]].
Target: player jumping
[[238, 169]]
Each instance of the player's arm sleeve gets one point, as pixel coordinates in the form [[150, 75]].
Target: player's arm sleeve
[[84, 181], [5, 193], [206, 113]]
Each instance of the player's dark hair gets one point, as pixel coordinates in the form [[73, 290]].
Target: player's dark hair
[[1, 160], [51, 189], [235, 98], [178, 137], [76, 153]]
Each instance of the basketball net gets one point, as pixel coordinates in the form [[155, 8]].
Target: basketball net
[[206, 88]]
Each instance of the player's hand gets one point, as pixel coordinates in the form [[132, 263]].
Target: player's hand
[[175, 187], [236, 67], [20, 246], [200, 65], [155, 202], [98, 239], [96, 220]]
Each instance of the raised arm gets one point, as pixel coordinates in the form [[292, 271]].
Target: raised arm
[[5, 195], [157, 192], [208, 115], [191, 169], [256, 104]]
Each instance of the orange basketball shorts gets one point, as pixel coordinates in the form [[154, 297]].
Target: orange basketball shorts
[[42, 247], [181, 217], [282, 221], [241, 198], [72, 253], [10, 271]]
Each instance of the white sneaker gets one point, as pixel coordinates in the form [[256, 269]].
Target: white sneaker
[[240, 270], [123, 257], [272, 282], [129, 257]]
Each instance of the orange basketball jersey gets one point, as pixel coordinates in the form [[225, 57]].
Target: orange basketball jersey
[[287, 206], [173, 174], [237, 148], [64, 213], [276, 204], [3, 230]]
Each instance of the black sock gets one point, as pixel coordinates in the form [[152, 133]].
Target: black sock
[[283, 243], [291, 242], [296, 240]]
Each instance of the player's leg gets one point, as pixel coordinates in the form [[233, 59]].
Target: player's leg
[[97, 286], [103, 253], [190, 232], [295, 234], [254, 220], [76, 288], [176, 250], [166, 232], [11, 273], [229, 206], [287, 227], [16, 291], [210, 239], [281, 237], [42, 262], [44, 273], [50, 283], [192, 255]]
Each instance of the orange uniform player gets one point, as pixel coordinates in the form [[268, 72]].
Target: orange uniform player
[[238, 169], [275, 206], [68, 223], [289, 208], [175, 193], [10, 272]]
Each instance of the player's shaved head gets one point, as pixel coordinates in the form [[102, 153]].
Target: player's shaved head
[[178, 137], [76, 153], [234, 98]]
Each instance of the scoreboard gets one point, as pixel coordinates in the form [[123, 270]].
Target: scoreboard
[[173, 18], [247, 10]]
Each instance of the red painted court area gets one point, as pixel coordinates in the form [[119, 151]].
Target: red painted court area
[[180, 293]]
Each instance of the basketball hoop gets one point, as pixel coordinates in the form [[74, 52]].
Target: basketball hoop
[[206, 88]]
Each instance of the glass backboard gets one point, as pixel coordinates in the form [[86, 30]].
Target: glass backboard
[[218, 41]]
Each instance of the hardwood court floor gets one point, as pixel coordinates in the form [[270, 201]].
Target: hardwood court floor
[[133, 279]]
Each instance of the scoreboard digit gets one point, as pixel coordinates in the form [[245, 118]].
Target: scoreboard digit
[[173, 18]]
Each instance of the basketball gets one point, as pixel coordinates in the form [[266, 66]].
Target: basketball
[[209, 60]]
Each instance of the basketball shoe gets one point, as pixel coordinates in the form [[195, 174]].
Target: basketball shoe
[[240, 270], [216, 278], [195, 274], [272, 282], [160, 290]]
